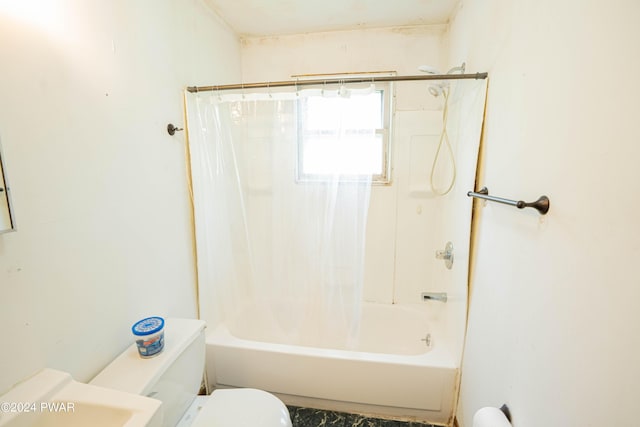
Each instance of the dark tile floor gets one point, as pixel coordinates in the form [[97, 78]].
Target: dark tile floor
[[306, 417]]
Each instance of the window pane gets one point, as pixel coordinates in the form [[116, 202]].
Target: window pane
[[355, 112], [351, 155], [343, 135]]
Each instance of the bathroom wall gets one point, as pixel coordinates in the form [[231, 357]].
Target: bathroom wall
[[554, 321], [99, 187]]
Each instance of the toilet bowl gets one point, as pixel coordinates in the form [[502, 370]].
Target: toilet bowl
[[174, 377]]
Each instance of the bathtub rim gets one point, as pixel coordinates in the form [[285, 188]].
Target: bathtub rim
[[440, 351], [438, 357]]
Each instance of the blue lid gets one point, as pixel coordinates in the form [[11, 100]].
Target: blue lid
[[148, 326]]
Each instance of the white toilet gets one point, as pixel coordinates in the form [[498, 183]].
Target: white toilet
[[174, 377]]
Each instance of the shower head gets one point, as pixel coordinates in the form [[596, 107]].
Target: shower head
[[433, 70], [438, 89], [428, 69]]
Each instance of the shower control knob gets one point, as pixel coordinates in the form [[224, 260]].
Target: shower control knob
[[446, 255]]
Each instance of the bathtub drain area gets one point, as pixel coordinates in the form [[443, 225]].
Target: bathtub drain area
[[427, 340]]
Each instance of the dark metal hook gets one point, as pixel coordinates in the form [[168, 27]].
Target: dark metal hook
[[171, 129]]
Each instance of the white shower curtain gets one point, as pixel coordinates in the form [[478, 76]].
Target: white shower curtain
[[289, 249]]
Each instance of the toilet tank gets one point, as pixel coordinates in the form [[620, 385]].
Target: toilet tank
[[174, 376]]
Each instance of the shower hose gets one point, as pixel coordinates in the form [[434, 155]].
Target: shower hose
[[444, 140]]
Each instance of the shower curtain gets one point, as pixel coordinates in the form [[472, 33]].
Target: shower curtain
[[289, 249]]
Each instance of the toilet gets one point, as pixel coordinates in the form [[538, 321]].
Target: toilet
[[174, 377]]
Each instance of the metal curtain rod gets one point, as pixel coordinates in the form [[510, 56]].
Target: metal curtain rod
[[476, 76], [541, 205]]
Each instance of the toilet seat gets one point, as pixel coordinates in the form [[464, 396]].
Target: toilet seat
[[243, 407]]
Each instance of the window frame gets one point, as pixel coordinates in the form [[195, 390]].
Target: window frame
[[384, 178]]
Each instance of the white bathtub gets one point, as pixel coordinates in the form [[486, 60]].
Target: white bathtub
[[402, 366]]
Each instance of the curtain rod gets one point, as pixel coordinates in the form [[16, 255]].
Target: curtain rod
[[476, 76]]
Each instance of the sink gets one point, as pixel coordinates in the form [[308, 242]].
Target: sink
[[52, 398]]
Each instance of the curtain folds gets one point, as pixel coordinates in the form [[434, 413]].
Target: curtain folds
[[290, 251]]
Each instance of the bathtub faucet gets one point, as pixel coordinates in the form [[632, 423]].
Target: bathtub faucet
[[437, 296]]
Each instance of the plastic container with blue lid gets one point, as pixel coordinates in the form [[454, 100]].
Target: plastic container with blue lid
[[149, 335]]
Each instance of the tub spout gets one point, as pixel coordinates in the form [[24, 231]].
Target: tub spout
[[437, 296]]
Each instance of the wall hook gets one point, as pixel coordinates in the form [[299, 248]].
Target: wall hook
[[171, 129]]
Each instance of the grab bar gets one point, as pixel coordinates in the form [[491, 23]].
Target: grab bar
[[541, 205]]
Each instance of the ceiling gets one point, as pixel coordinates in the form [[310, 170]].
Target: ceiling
[[278, 17]]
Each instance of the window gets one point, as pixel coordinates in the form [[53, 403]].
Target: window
[[346, 134]]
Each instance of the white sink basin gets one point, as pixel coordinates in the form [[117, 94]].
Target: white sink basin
[[53, 399]]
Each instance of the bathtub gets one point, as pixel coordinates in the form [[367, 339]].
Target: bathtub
[[402, 367]]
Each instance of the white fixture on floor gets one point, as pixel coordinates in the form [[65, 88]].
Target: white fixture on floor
[[53, 399], [492, 417], [174, 377]]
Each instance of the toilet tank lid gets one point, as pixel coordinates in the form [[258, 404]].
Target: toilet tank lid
[[129, 372]]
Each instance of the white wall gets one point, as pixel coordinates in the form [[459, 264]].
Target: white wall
[[386, 49], [99, 188], [554, 319]]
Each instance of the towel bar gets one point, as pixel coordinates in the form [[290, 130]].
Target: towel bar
[[541, 205]]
